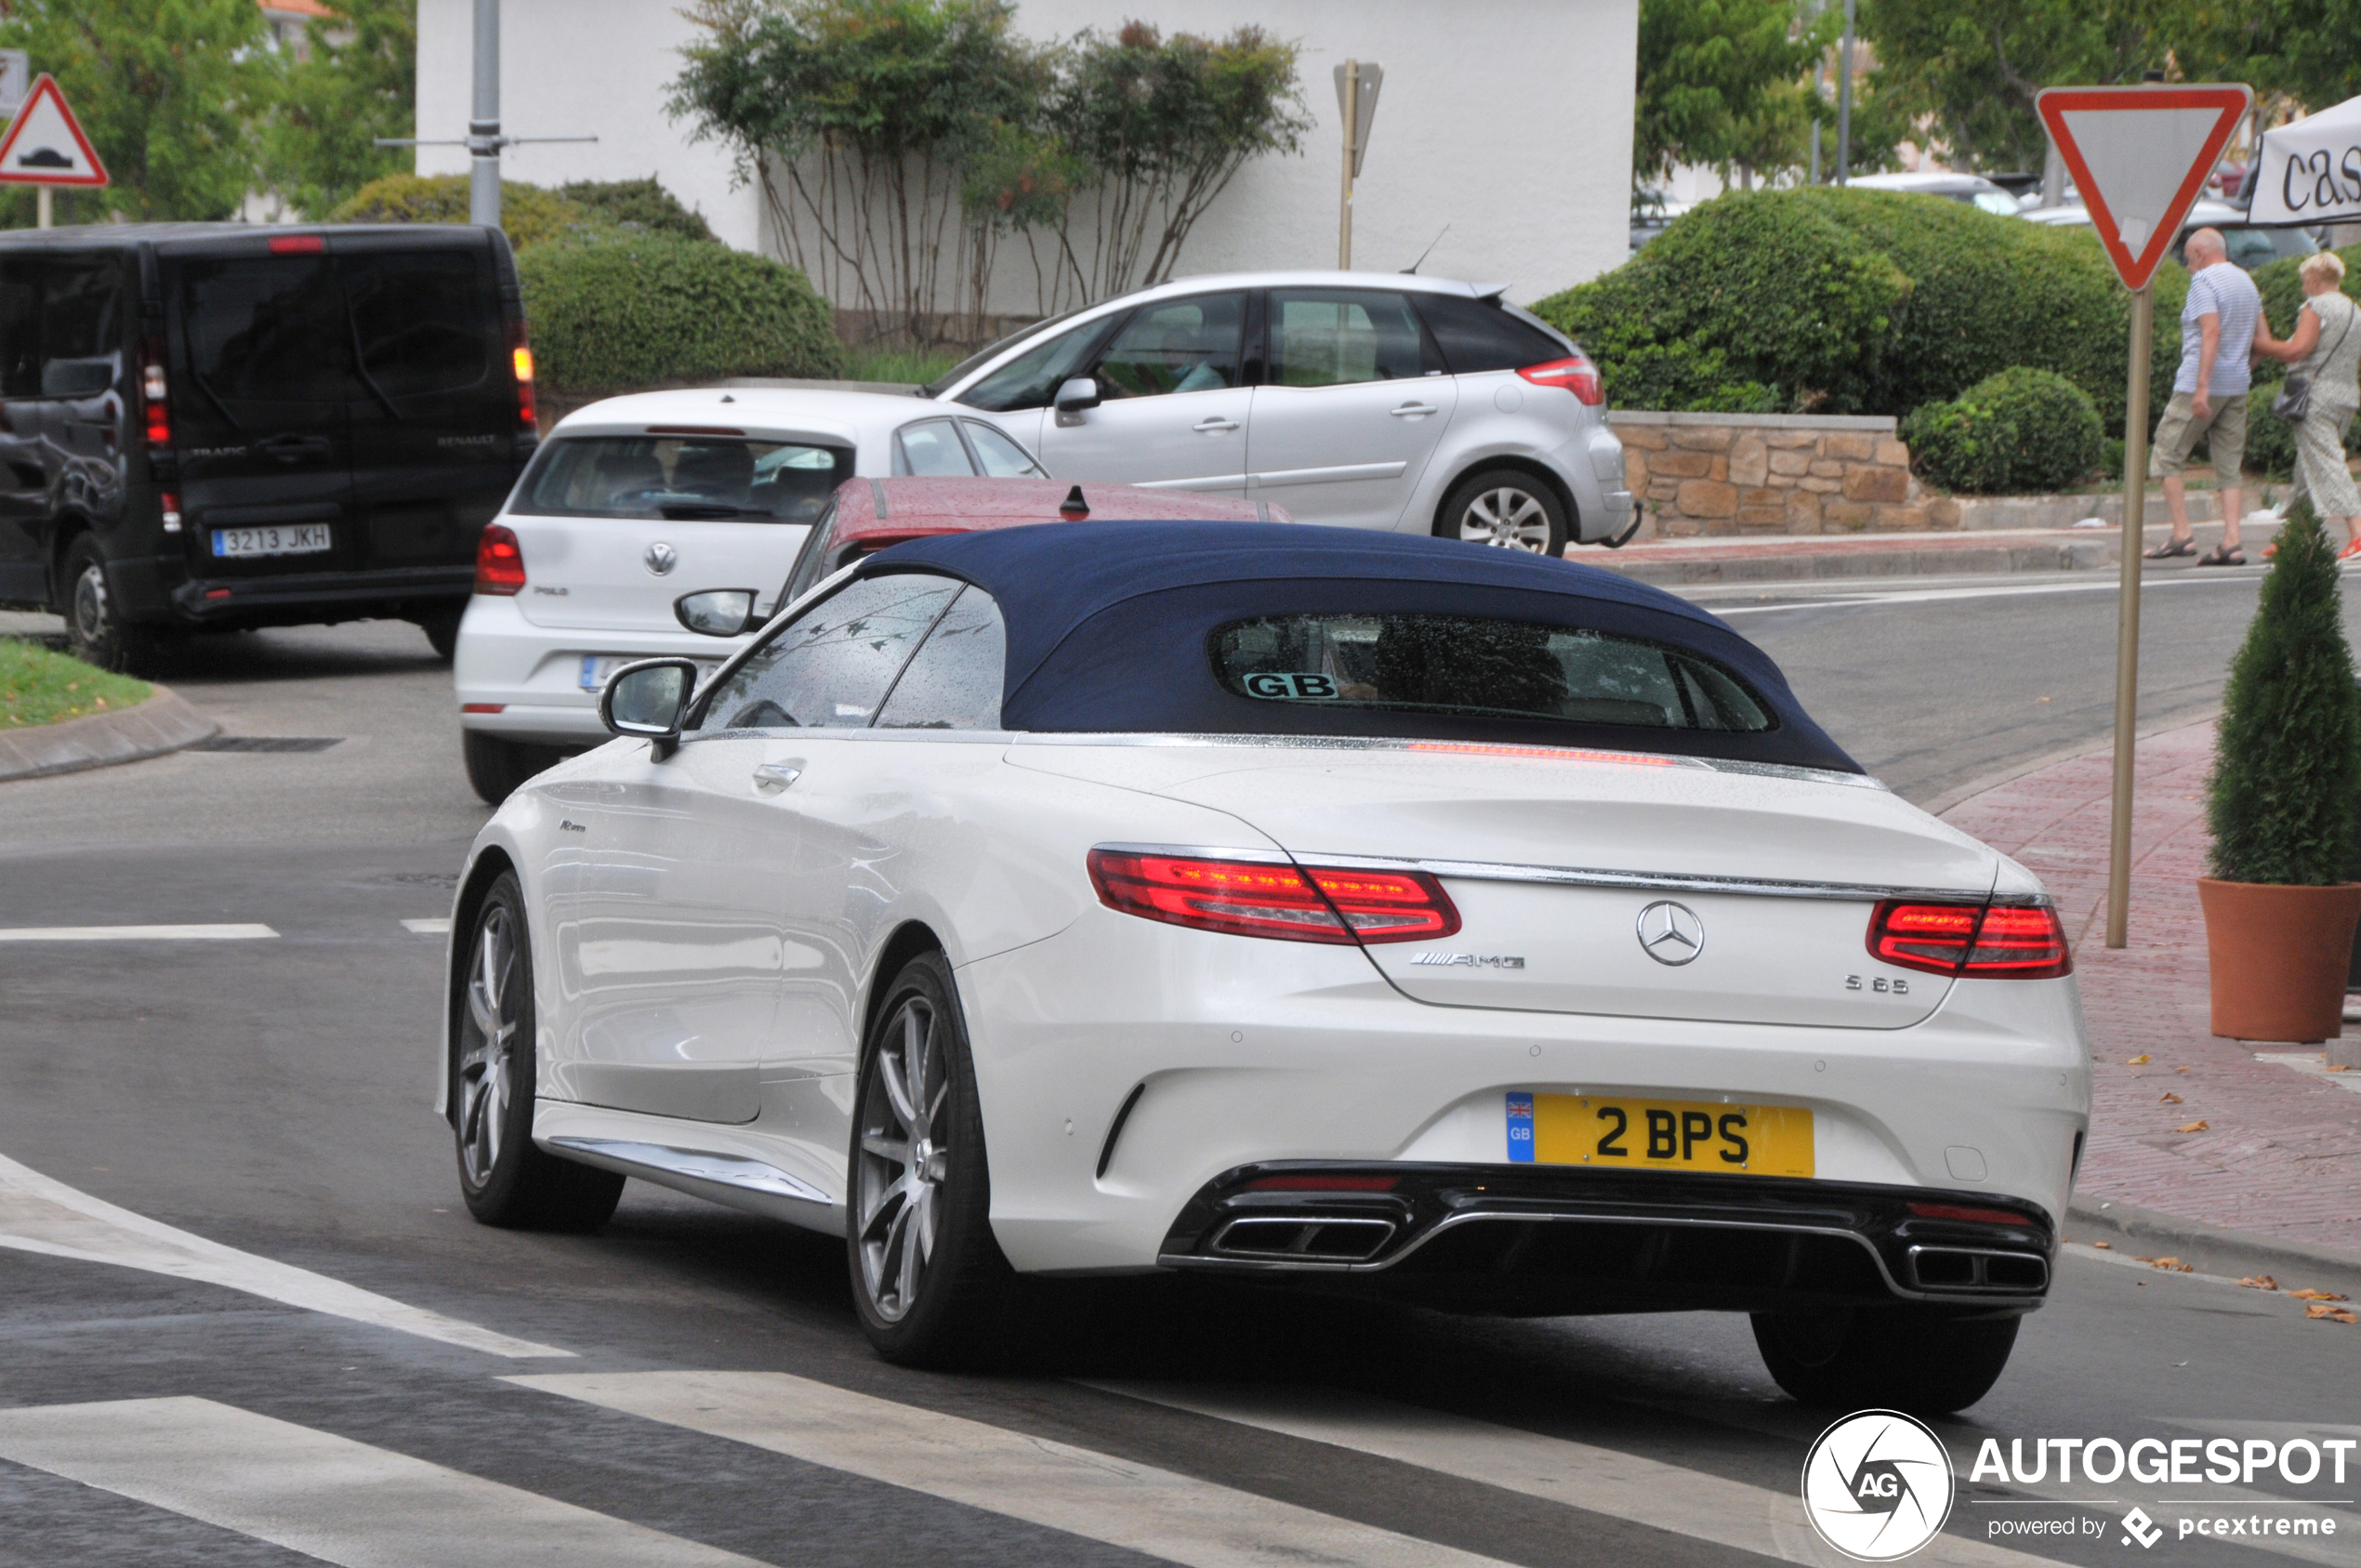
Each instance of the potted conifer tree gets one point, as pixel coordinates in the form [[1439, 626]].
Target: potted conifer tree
[[2279, 916]]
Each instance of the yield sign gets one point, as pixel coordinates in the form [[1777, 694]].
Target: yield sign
[[2140, 157], [45, 145]]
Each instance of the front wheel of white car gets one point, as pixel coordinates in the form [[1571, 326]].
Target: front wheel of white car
[[928, 1277], [1507, 508], [1915, 1359]]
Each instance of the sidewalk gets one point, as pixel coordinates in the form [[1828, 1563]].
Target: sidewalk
[[2279, 1156]]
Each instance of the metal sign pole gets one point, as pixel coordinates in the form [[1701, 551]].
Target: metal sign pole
[[1352, 126], [2126, 624], [483, 126], [42, 209]]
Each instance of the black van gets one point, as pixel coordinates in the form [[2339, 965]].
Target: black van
[[217, 425]]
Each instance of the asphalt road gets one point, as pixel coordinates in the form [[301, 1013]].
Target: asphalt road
[[271, 1096]]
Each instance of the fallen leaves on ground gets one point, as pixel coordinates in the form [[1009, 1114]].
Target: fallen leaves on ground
[[2193, 1126], [2104, 1247], [2332, 1315], [2140, 1060], [2180, 1070], [2173, 1264], [2337, 1067], [2259, 1281], [2316, 1295], [2171, 1099]]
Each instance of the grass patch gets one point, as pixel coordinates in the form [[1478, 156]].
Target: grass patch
[[916, 366], [39, 686]]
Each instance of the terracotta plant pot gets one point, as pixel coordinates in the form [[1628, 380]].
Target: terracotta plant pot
[[2278, 957]]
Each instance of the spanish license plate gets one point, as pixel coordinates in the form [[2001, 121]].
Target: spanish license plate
[[1689, 1135], [598, 668], [286, 538]]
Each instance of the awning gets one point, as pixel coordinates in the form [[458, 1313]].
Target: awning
[[2310, 172]]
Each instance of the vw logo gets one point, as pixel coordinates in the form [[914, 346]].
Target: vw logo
[[1878, 1485], [1671, 933], [661, 558]]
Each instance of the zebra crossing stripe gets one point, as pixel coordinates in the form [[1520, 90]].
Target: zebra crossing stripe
[[1095, 1496], [312, 1492], [134, 933], [1580, 1475]]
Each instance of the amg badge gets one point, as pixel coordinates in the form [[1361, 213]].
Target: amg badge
[[1469, 960]]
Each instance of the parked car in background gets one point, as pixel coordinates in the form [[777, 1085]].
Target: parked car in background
[[1353, 399], [2248, 246], [1971, 190], [215, 426]]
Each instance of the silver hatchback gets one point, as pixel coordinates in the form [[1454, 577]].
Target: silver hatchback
[[1365, 401]]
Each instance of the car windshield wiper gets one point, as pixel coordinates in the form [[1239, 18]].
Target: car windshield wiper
[[689, 511]]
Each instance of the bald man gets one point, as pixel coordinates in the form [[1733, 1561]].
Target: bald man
[[2209, 396]]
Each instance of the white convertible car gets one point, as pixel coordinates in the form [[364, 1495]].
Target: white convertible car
[[1374, 913]]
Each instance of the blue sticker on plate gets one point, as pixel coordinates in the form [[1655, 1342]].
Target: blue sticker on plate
[[1521, 1128]]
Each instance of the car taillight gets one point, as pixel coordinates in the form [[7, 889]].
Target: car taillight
[[1577, 376], [2021, 941], [521, 362], [169, 504], [156, 406], [499, 561], [1254, 899]]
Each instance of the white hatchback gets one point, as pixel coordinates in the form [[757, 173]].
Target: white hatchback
[[633, 501]]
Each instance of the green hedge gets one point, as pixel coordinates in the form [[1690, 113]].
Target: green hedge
[[624, 310], [2022, 430], [643, 202], [529, 215], [1859, 301]]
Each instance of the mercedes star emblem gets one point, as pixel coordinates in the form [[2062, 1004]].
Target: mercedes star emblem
[[661, 558], [1671, 933]]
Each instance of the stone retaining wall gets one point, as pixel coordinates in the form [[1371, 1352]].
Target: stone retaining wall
[[1709, 474]]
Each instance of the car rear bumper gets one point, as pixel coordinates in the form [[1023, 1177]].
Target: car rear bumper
[[1555, 1240], [523, 682], [207, 600]]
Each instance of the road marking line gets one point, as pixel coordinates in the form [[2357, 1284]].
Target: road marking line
[[1827, 600], [1578, 1475], [428, 928], [313, 1492], [134, 933], [1094, 1496], [38, 1214]]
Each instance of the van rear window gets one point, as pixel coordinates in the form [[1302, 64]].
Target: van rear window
[[422, 318], [682, 478], [1472, 668], [266, 329]]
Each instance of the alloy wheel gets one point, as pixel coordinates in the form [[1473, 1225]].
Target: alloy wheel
[[488, 1042], [905, 1158], [90, 604], [1508, 517]]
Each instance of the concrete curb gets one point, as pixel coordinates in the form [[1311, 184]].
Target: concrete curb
[[164, 723], [2210, 1248], [1815, 558]]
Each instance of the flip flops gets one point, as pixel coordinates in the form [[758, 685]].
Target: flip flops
[[2171, 547], [2220, 557]]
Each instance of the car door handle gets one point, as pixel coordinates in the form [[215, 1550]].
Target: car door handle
[[1214, 425], [293, 449], [772, 777], [1413, 410]]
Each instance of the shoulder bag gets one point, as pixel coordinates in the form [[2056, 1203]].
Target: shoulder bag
[[2294, 401]]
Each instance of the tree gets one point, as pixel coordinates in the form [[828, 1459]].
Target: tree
[[1974, 66], [169, 92], [1717, 84], [2305, 50], [359, 82]]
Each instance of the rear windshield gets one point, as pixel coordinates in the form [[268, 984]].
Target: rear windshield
[[1476, 669], [1481, 335], [683, 477]]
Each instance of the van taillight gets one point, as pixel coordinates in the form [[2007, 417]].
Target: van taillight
[[1577, 376], [1999, 942], [521, 362], [171, 507], [499, 561], [155, 404], [1258, 899]]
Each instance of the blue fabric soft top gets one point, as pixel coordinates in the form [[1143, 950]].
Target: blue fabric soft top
[[1109, 628]]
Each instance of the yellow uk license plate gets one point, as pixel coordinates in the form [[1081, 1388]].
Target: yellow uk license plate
[[1688, 1135]]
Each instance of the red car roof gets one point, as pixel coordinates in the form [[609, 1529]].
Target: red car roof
[[873, 513]]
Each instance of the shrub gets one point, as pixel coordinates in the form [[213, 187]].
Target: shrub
[[529, 215], [2024, 429], [2287, 756], [611, 310], [1753, 287], [643, 202]]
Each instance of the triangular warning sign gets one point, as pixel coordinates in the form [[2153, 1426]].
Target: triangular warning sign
[[45, 145], [2140, 157]]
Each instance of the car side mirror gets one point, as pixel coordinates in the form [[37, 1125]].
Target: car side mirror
[[716, 611], [648, 700], [1074, 397]]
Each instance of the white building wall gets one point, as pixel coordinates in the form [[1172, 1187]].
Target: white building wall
[[1508, 120]]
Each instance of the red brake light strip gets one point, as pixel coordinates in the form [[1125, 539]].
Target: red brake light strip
[[1257, 898], [2023, 942]]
